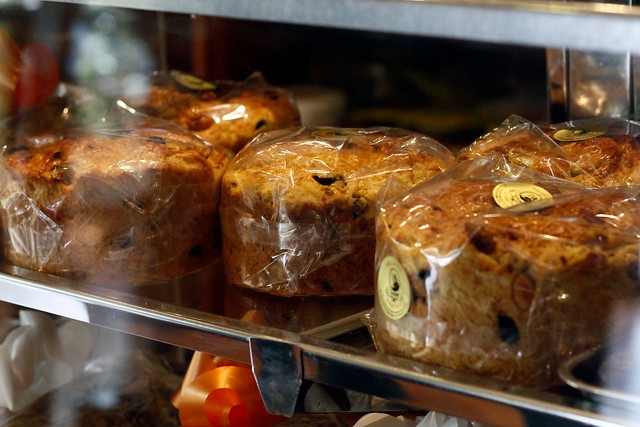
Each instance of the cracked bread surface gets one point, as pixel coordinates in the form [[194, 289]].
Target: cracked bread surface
[[601, 152], [228, 114], [113, 206], [503, 294], [298, 206]]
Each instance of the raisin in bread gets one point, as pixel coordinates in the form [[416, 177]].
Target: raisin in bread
[[118, 205], [298, 206], [469, 285], [226, 113]]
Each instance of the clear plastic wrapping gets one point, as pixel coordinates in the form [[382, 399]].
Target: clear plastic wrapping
[[502, 271], [124, 198], [227, 113], [598, 152], [298, 205], [67, 373]]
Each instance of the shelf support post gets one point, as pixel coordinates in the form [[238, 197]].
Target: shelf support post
[[277, 368]]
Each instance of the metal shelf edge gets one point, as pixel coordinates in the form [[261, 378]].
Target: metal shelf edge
[[576, 25]]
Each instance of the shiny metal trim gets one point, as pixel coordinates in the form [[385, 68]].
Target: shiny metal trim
[[575, 25], [421, 386], [277, 369], [142, 317], [396, 379]]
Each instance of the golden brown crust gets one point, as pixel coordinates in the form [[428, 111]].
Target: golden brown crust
[[610, 158], [298, 207], [130, 206], [502, 294], [227, 120]]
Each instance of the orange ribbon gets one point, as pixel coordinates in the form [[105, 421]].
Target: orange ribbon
[[217, 392]]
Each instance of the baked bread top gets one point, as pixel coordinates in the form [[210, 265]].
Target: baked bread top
[[229, 114], [293, 175], [500, 290], [110, 153], [599, 152], [462, 201], [130, 204]]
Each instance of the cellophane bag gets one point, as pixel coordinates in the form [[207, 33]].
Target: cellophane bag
[[108, 195], [224, 112], [298, 205], [598, 152], [501, 271]]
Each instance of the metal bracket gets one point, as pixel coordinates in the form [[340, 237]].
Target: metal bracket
[[590, 84], [277, 368], [586, 84]]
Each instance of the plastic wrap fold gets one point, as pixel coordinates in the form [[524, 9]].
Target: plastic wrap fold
[[227, 113], [502, 271], [108, 195], [599, 152], [298, 205]]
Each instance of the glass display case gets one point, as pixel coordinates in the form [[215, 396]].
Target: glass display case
[[453, 70]]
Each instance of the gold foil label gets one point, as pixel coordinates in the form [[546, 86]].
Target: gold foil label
[[521, 196], [393, 288], [334, 134], [572, 135], [192, 82]]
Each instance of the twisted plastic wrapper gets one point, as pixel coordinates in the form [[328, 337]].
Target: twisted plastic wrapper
[[109, 378], [39, 356], [124, 199], [218, 392], [599, 152], [498, 270], [226, 113], [432, 419], [298, 206]]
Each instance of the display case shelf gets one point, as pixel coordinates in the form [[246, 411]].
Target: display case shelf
[[311, 355]]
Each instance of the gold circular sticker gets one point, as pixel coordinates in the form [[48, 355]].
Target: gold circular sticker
[[572, 135], [192, 82], [394, 289], [510, 195], [337, 134]]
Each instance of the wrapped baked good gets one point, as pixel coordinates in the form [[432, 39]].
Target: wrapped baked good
[[133, 200], [501, 271], [600, 152], [70, 107], [226, 113], [298, 206]]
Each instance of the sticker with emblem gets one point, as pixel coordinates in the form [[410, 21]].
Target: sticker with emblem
[[335, 134], [192, 82], [521, 196], [393, 288], [573, 135]]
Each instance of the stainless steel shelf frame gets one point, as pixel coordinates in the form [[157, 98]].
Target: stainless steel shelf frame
[[281, 359], [293, 357], [576, 25]]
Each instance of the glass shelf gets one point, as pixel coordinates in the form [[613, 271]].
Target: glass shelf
[[320, 351]]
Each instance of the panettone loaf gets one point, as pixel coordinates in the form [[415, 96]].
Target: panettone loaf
[[119, 205], [226, 113], [506, 292], [601, 152], [298, 206]]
